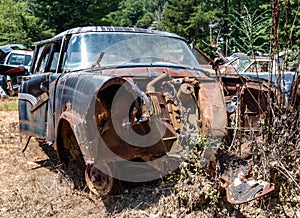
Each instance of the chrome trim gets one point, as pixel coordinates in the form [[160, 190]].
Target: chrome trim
[[27, 97]]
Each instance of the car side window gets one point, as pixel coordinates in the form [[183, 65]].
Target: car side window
[[43, 63], [54, 61], [43, 54], [48, 58]]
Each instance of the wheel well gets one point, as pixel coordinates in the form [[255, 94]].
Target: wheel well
[[66, 143]]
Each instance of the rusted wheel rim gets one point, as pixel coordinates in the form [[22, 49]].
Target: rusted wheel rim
[[99, 182]]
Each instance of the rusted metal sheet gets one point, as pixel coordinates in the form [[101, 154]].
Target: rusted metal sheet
[[125, 111], [212, 109], [234, 170], [239, 188], [246, 101]]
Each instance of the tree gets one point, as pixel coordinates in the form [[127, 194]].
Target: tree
[[18, 24], [252, 29], [139, 13], [202, 23], [61, 15], [191, 19], [176, 14]]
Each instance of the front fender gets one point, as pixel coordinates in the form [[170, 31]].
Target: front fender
[[76, 98], [74, 94]]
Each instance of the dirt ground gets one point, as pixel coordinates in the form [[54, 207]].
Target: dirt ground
[[34, 184]]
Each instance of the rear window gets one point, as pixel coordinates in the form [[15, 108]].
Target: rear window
[[18, 59]]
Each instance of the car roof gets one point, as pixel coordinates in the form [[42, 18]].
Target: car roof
[[5, 49], [10, 47], [87, 29]]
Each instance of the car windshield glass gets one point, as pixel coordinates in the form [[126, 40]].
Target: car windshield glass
[[127, 49]]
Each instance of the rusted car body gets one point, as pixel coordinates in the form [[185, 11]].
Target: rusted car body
[[105, 93], [246, 102], [125, 100], [266, 69], [249, 84]]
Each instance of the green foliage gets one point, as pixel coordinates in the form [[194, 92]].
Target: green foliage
[[18, 24], [253, 30], [139, 13], [191, 19], [10, 104], [200, 19], [66, 14], [289, 25]]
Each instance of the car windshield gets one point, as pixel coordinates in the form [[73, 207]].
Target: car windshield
[[127, 50]]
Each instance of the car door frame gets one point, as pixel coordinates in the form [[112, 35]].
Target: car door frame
[[35, 104]]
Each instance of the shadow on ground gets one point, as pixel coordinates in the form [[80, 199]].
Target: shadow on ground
[[129, 196]]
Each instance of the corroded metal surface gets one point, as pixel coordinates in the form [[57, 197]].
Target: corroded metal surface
[[246, 101], [234, 171], [239, 188], [127, 119]]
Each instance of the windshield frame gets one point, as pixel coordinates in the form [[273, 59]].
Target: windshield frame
[[141, 45]]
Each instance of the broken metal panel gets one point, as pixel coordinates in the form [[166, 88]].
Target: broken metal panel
[[31, 96], [212, 111], [140, 122], [246, 101], [253, 106], [32, 122], [75, 95], [235, 171], [239, 188], [85, 128], [242, 191]]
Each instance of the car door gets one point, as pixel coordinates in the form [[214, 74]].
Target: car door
[[33, 96]]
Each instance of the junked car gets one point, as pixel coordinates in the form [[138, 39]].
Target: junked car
[[19, 57], [15, 61], [124, 100], [5, 49], [250, 83], [265, 69], [232, 63]]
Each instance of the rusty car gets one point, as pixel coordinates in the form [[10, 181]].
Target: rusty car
[[248, 82], [125, 101]]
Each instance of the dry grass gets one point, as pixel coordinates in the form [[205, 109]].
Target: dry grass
[[9, 104], [34, 184]]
